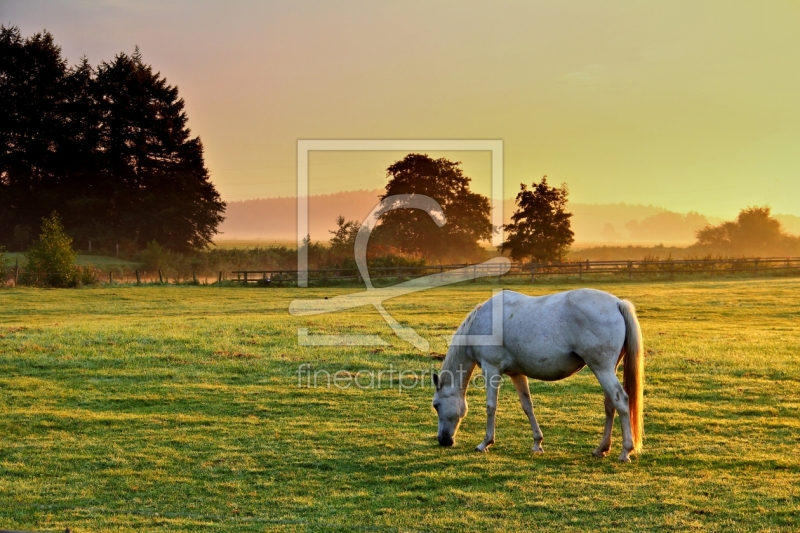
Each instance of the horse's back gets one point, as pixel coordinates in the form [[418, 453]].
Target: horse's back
[[551, 337]]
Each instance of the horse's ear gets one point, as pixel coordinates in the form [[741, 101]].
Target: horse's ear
[[435, 378]]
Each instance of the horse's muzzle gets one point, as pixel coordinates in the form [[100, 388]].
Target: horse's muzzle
[[445, 441]]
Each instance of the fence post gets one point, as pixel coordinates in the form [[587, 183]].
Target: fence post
[[245, 277], [138, 281], [671, 270], [16, 272], [630, 270], [756, 267], [194, 276], [219, 280], [160, 276], [110, 277], [533, 273], [580, 270], [712, 268]]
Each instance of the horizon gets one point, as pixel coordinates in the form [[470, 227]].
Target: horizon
[[264, 219], [641, 104]]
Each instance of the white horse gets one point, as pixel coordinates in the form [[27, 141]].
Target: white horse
[[548, 338]]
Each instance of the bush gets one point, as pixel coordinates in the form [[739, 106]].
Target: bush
[[155, 257], [51, 259]]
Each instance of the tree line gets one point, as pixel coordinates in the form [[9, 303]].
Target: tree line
[[106, 147], [540, 230]]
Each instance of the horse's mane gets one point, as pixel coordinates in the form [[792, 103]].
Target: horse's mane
[[455, 351]]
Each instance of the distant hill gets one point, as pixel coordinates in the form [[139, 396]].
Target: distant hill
[[275, 219]]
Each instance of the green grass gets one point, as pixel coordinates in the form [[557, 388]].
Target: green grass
[[178, 408]]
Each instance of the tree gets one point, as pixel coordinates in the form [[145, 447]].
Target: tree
[[344, 237], [667, 226], [413, 231], [108, 147], [540, 226], [51, 259], [159, 186], [754, 232], [32, 92]]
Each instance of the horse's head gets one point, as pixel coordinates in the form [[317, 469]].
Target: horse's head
[[451, 406]]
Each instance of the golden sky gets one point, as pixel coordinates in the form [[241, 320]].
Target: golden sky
[[686, 105]]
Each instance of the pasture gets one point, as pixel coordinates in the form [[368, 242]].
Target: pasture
[[178, 408]]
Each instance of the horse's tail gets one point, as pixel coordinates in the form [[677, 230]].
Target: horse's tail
[[633, 371]]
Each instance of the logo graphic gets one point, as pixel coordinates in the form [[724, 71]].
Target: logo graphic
[[375, 297]]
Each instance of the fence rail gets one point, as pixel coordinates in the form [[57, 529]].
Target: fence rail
[[625, 269], [668, 269]]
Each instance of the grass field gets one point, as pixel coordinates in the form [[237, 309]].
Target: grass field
[[178, 408]]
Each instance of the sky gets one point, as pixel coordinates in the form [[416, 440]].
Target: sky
[[691, 106]]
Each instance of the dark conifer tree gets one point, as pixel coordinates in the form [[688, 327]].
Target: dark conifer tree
[[108, 149], [32, 75], [160, 186], [540, 226]]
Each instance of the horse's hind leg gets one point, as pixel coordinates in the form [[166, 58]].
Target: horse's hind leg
[[619, 399], [605, 444], [521, 384]]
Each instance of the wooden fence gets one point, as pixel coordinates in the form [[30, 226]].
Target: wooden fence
[[630, 270], [668, 269]]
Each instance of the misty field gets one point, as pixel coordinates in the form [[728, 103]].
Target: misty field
[[178, 408]]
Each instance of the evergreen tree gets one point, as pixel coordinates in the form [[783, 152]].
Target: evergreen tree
[[32, 93], [344, 236], [540, 227], [161, 189], [108, 147]]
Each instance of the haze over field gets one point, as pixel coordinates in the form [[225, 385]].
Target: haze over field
[[683, 105], [274, 219]]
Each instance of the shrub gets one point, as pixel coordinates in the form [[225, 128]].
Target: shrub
[[51, 259], [155, 257]]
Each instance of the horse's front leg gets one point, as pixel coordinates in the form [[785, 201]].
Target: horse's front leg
[[521, 384], [493, 380]]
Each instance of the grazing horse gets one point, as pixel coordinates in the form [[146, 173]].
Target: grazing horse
[[547, 338]]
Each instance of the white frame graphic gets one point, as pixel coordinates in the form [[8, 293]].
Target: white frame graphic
[[304, 146]]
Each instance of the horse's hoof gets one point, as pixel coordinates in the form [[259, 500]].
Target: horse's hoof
[[537, 450], [600, 453], [624, 459], [483, 447]]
